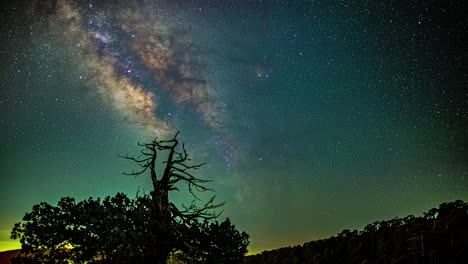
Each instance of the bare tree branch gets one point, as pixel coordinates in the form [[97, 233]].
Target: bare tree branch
[[176, 171]]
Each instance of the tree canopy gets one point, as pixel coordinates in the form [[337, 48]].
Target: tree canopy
[[116, 230], [94, 230], [215, 243]]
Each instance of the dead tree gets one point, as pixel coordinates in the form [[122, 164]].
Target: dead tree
[[172, 221]]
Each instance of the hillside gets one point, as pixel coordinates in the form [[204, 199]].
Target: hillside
[[5, 256], [439, 236]]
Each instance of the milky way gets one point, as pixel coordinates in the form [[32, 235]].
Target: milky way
[[117, 45]]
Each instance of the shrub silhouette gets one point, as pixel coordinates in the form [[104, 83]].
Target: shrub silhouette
[[216, 243]]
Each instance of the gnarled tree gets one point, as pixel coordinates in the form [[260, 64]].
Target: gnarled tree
[[173, 222]]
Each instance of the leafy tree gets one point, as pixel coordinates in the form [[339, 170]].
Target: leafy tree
[[215, 242], [92, 231]]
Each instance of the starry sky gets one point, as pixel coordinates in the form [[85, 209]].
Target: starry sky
[[312, 116]]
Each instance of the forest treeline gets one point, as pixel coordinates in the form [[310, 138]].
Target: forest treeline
[[439, 236]]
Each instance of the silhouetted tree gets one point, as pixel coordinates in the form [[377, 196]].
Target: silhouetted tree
[[91, 231], [122, 230], [214, 243], [172, 221]]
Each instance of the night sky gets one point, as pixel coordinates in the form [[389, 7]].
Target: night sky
[[313, 116]]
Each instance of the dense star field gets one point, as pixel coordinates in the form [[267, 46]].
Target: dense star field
[[312, 116]]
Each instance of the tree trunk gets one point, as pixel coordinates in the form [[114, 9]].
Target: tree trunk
[[161, 214], [158, 255], [162, 257]]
